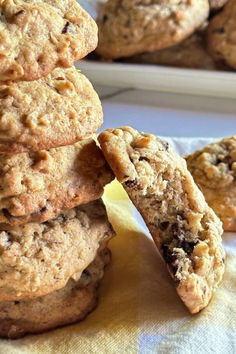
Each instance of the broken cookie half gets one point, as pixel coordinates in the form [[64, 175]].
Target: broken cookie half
[[185, 229]]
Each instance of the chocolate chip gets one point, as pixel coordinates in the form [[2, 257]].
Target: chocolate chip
[[179, 234], [219, 30], [105, 19], [7, 215], [20, 12], [133, 184], [142, 158], [163, 225], [64, 217], [86, 272], [170, 257], [188, 246], [65, 29], [226, 160], [43, 209], [180, 216], [167, 254], [16, 302]]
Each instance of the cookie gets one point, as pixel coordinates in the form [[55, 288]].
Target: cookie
[[62, 307], [37, 259], [129, 27], [214, 170], [217, 4], [191, 53], [36, 36], [185, 229], [36, 186], [221, 35], [58, 110]]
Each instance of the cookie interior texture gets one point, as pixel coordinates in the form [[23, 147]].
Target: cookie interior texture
[[57, 110], [65, 306], [37, 259], [214, 170], [128, 27], [186, 231], [221, 35], [36, 186], [38, 35]]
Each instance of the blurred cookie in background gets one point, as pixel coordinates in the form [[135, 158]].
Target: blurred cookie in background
[[191, 53], [129, 27], [222, 36]]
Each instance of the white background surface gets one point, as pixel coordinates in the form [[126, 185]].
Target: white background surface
[[161, 78], [168, 114]]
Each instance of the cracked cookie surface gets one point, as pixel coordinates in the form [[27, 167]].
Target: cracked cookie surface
[[185, 229], [222, 35], [57, 110], [37, 259], [214, 170], [36, 186], [37, 36], [128, 27], [62, 307]]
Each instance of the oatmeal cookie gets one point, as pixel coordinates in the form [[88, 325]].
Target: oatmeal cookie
[[37, 259], [128, 27], [62, 307], [185, 229], [38, 35], [222, 35], [57, 110], [36, 186], [214, 170], [191, 53]]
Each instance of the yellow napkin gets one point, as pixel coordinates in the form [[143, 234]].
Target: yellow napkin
[[139, 310]]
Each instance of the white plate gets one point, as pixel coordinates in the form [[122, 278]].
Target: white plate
[[162, 79]]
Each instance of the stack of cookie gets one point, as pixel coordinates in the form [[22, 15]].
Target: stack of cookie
[[54, 227]]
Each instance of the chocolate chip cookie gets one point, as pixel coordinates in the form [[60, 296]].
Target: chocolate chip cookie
[[37, 259], [184, 228], [191, 53], [214, 170], [222, 35], [36, 186], [65, 306], [128, 27], [36, 36], [57, 110]]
